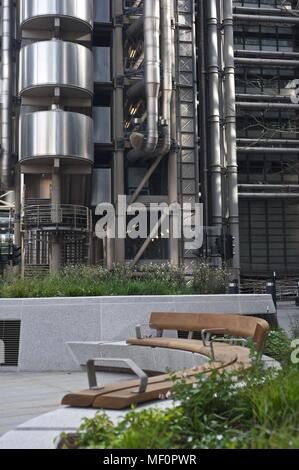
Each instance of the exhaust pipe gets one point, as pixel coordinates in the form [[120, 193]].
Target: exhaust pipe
[[137, 139], [167, 60], [6, 95], [151, 23]]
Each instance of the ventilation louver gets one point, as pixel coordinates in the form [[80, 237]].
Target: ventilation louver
[[9, 343]]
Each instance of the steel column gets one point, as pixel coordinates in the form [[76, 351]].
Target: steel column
[[214, 115], [7, 81], [230, 129], [117, 247]]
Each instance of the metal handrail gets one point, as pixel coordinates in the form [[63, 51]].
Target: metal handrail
[[76, 217]]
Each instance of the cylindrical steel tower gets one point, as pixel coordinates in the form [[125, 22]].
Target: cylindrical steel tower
[[56, 131]]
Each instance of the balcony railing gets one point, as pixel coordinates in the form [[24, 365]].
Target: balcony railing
[[63, 217]]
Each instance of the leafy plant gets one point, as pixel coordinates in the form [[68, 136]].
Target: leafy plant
[[278, 346], [253, 409], [207, 280], [75, 281]]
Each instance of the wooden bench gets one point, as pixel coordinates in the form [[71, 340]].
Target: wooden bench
[[225, 355], [237, 327]]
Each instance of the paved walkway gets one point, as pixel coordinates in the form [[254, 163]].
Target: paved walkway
[[288, 315], [24, 396]]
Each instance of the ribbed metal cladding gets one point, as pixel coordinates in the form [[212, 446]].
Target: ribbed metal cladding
[[75, 15], [9, 342], [56, 133], [48, 64]]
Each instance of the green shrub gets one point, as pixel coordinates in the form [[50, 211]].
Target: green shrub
[[76, 281], [254, 409], [133, 432], [278, 346], [207, 280], [250, 410]]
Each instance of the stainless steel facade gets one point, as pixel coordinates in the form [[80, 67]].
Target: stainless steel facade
[[40, 14], [53, 134], [168, 100], [48, 64]]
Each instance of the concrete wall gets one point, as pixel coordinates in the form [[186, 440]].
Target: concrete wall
[[48, 324]]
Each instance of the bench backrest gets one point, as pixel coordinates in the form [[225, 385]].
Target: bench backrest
[[235, 325]]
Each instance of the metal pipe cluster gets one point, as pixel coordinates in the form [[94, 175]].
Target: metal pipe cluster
[[156, 24]]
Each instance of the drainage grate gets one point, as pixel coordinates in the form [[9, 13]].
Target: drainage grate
[[9, 342]]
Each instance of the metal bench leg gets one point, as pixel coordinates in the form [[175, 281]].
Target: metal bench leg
[[91, 372]]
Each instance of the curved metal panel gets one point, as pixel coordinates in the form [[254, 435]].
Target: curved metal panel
[[75, 15], [49, 64], [57, 133]]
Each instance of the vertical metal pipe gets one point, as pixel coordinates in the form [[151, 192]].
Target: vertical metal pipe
[[214, 115], [18, 208], [6, 94], [167, 65], [152, 79], [230, 129], [116, 249], [152, 70], [173, 156], [56, 245], [202, 74]]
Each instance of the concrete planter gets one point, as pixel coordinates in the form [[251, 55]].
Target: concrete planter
[[48, 324]]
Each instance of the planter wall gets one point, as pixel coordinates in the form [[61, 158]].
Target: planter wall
[[48, 324]]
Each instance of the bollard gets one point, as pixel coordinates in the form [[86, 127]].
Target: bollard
[[233, 287], [271, 289], [297, 298]]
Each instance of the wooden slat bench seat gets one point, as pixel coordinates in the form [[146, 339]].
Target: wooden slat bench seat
[[232, 325], [124, 394], [223, 352], [224, 356]]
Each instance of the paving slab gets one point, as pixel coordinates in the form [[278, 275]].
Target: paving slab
[[24, 396], [44, 432], [288, 316]]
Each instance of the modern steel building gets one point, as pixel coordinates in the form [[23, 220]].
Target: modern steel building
[[163, 101]]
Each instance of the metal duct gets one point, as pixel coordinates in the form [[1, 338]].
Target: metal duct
[[167, 60], [268, 141], [214, 113], [266, 19], [266, 62], [135, 29], [137, 90], [269, 195], [265, 106], [6, 94], [260, 97], [230, 128], [167, 66], [167, 51], [265, 11], [286, 187], [277, 54], [151, 21], [276, 150]]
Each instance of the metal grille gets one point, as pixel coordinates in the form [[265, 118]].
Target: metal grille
[[187, 115], [9, 342]]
